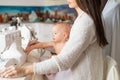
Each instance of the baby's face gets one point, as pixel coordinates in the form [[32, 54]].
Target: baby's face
[[57, 34]]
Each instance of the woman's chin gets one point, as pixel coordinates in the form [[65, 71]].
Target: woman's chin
[[71, 6]]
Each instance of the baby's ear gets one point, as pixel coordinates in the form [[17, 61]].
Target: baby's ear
[[65, 35]]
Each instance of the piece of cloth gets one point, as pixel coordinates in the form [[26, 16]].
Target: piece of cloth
[[111, 20], [63, 75], [26, 35], [81, 54], [112, 69]]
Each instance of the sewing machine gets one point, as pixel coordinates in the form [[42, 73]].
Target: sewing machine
[[11, 51], [27, 34]]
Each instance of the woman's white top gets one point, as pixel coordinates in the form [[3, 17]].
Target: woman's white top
[[81, 54]]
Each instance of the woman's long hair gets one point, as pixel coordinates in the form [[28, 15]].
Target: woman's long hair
[[93, 8]]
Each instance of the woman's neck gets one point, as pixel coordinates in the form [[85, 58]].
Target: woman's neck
[[79, 11]]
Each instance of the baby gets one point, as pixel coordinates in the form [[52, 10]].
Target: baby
[[60, 34]]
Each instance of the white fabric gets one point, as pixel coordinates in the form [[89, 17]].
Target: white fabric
[[111, 19], [112, 69], [14, 49], [26, 35], [16, 53], [118, 0], [7, 62], [63, 75], [81, 54], [3, 43]]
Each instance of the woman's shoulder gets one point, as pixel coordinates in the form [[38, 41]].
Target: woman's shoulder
[[87, 18], [84, 20]]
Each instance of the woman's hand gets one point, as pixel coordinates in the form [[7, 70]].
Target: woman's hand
[[16, 71], [13, 71]]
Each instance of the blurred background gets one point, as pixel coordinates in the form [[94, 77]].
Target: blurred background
[[36, 11]]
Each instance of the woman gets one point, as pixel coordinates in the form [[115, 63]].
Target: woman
[[82, 54]]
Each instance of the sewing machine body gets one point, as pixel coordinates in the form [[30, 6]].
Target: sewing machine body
[[11, 50]]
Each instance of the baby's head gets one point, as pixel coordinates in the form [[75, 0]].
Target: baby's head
[[60, 31]]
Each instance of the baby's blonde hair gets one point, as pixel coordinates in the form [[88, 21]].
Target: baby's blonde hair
[[64, 26]]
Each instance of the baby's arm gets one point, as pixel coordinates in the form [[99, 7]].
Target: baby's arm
[[38, 45], [43, 45], [28, 48], [32, 42]]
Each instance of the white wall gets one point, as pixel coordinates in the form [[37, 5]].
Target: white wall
[[32, 2]]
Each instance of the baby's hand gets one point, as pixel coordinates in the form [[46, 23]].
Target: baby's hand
[[29, 46], [27, 50], [32, 42]]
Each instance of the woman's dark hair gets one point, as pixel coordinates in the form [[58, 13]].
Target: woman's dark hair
[[93, 8], [103, 3]]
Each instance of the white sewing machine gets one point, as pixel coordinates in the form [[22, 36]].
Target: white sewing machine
[[11, 52], [41, 34]]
